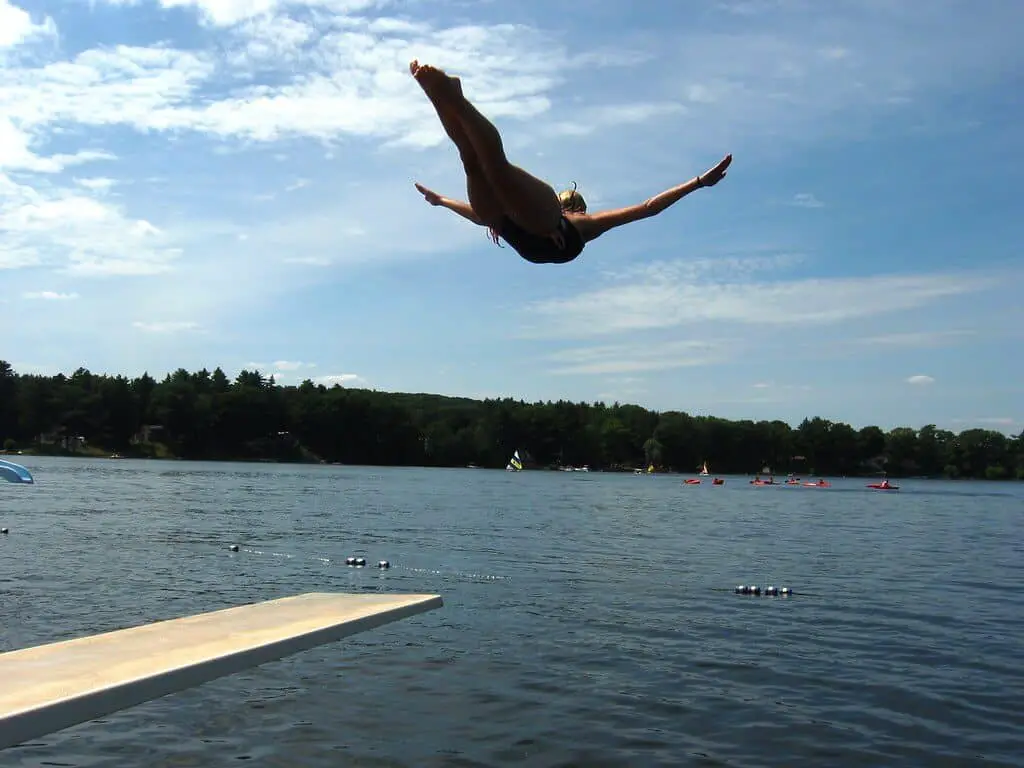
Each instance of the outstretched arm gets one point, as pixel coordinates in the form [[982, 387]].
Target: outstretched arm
[[465, 210], [597, 224]]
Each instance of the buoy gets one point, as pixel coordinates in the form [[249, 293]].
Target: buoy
[[233, 547], [4, 531], [769, 591], [350, 560], [383, 564], [356, 561]]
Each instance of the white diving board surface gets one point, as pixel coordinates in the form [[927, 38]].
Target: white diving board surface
[[50, 687]]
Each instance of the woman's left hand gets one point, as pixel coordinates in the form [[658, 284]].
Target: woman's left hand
[[714, 175], [431, 197]]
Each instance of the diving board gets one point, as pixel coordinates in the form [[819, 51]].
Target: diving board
[[50, 687]]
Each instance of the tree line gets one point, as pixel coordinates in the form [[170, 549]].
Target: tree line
[[206, 415]]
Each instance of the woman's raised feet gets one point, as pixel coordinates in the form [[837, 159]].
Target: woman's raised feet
[[436, 82]]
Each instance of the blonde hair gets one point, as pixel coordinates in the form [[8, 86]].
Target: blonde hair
[[572, 201]]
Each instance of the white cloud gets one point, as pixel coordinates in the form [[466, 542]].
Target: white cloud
[[342, 379], [225, 13], [916, 338], [777, 389], [282, 370], [633, 357], [340, 75], [14, 257], [61, 228], [672, 294], [141, 87], [96, 184], [289, 365], [352, 81], [166, 326], [920, 380], [997, 421], [49, 295], [281, 366], [625, 394], [269, 41], [596, 119], [729, 268], [806, 200], [17, 27], [16, 154]]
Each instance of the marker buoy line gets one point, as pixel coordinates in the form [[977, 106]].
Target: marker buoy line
[[769, 591], [357, 561]]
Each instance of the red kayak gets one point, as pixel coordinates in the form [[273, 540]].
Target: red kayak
[[817, 485], [882, 487], [692, 482], [718, 481]]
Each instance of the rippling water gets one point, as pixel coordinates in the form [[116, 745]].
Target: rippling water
[[589, 619]]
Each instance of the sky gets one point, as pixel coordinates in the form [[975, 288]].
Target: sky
[[202, 183]]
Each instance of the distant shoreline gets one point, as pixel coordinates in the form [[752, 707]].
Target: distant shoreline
[[205, 416], [98, 455]]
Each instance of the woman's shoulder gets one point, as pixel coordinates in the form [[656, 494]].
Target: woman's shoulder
[[583, 223]]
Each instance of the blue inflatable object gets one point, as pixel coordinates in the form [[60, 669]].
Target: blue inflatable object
[[14, 473]]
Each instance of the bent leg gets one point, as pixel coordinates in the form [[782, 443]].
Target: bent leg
[[482, 197], [530, 202]]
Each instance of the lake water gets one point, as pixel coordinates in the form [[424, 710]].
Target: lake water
[[589, 619]]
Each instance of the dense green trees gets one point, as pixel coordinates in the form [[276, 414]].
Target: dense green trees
[[206, 415]]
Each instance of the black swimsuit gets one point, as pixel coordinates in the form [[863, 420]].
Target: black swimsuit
[[543, 250]]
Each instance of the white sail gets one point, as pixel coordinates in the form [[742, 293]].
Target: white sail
[[515, 464]]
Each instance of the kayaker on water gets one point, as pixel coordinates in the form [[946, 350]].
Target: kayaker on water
[[542, 226]]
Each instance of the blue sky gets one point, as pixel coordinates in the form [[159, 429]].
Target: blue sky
[[193, 183]]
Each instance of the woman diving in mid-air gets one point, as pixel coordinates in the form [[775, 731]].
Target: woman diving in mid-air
[[542, 226]]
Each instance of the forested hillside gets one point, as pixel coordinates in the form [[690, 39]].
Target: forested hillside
[[205, 415]]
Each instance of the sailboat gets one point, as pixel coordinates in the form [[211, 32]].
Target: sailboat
[[515, 464], [704, 470]]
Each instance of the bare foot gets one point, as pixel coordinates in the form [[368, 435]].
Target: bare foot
[[435, 82], [453, 83]]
